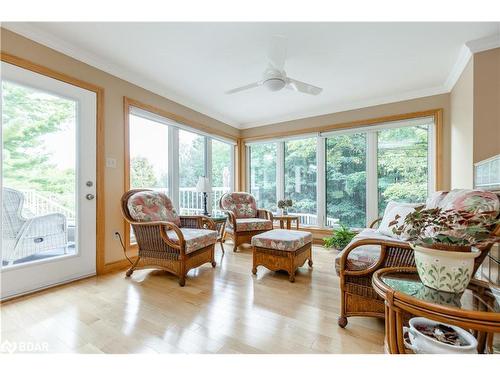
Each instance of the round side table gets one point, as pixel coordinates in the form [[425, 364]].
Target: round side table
[[287, 220], [476, 309]]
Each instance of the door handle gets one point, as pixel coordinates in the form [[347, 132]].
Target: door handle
[[90, 196]]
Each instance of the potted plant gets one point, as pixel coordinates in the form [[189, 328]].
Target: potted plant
[[284, 205], [445, 244], [341, 237]]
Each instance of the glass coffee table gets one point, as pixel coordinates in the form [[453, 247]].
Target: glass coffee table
[[476, 309]]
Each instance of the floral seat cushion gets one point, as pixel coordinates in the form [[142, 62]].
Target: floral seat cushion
[[282, 239], [146, 206], [243, 205], [250, 224], [195, 239], [363, 256]]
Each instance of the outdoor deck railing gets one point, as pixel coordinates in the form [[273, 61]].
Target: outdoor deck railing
[[190, 202]]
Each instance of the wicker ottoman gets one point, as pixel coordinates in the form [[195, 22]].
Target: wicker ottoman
[[281, 249]]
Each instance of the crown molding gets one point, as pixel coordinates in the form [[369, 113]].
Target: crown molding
[[466, 52], [49, 40], [484, 44], [353, 105]]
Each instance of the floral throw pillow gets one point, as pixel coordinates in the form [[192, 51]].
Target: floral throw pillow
[[474, 201], [392, 210], [146, 206]]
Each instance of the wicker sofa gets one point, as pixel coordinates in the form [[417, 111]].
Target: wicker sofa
[[370, 251], [244, 219], [167, 241]]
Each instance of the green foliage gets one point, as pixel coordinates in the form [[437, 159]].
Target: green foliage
[[28, 116], [341, 237], [142, 174]]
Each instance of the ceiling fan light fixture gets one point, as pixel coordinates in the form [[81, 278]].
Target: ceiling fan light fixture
[[274, 84]]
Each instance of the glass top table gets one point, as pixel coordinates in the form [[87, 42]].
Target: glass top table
[[477, 308], [477, 297]]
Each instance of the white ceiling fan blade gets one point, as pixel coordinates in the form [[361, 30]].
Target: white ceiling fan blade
[[246, 87], [306, 88], [277, 52]]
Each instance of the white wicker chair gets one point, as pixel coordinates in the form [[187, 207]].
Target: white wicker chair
[[23, 237]]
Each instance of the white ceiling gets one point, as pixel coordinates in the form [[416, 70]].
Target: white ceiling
[[357, 64]]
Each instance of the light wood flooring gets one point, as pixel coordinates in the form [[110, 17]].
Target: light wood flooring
[[221, 310]]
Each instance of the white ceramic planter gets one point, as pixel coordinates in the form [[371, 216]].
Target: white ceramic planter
[[447, 271], [422, 344]]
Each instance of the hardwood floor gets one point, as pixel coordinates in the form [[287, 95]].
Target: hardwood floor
[[221, 310]]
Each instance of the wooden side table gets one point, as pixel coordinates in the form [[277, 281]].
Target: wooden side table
[[220, 226], [287, 220], [404, 294]]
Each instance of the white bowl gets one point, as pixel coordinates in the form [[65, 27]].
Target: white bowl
[[422, 344]]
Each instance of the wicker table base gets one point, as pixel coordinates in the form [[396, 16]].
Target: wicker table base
[[276, 260]]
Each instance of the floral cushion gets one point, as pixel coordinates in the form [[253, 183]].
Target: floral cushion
[[392, 210], [152, 206], [282, 239], [475, 201], [241, 204], [363, 256], [194, 238], [249, 224]]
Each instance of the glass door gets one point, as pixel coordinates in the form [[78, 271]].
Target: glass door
[[48, 176]]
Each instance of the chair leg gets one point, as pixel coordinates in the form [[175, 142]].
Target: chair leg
[[182, 280], [342, 321], [130, 271]]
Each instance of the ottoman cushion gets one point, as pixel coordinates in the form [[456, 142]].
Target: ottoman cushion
[[282, 239]]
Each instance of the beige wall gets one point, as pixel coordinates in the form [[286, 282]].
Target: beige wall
[[114, 91], [462, 129], [407, 106], [486, 104]]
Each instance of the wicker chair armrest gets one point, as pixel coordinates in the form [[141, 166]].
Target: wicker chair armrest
[[231, 218], [375, 223], [385, 247], [208, 223], [163, 227], [264, 214]]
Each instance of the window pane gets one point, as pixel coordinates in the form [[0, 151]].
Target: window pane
[[402, 165], [300, 178], [346, 180], [148, 154], [221, 172], [39, 175], [191, 168], [263, 174]]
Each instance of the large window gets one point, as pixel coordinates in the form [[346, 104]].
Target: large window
[[346, 180], [192, 166], [300, 178], [346, 176], [148, 154], [165, 155], [222, 181], [402, 156], [263, 174]]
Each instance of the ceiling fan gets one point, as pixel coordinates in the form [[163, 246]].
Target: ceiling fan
[[274, 77]]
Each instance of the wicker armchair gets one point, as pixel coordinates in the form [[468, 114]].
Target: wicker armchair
[[166, 241], [244, 219], [23, 237], [358, 298]]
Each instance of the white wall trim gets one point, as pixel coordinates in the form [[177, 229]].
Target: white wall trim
[[484, 44], [463, 59], [49, 40]]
